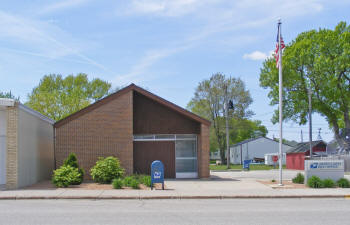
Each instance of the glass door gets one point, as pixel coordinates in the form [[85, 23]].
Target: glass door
[[186, 156]]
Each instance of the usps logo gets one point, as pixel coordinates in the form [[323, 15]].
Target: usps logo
[[314, 166], [157, 174]]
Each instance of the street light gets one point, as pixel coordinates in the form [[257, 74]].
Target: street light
[[228, 105]]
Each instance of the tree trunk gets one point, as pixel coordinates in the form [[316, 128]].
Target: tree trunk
[[337, 136], [346, 118]]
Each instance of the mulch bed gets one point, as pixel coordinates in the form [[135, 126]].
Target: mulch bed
[[287, 184]]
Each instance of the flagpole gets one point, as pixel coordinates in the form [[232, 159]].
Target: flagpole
[[280, 99]]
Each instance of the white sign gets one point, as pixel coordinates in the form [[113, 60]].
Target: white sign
[[333, 169], [330, 165]]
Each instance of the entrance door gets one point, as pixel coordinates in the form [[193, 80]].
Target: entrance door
[[186, 156], [145, 152], [3, 154]]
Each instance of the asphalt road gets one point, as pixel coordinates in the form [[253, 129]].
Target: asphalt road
[[229, 211]]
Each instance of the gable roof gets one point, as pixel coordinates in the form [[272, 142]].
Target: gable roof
[[253, 139], [304, 146], [133, 87]]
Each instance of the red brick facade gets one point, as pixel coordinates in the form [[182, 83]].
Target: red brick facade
[[104, 131], [106, 128]]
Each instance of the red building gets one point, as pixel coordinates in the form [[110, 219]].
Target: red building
[[296, 155]]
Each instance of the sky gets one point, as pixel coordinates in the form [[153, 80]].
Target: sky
[[167, 46]]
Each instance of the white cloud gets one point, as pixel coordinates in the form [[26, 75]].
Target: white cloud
[[256, 55], [40, 38], [168, 8], [61, 5]]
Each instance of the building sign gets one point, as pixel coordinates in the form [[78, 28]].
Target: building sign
[[326, 165], [157, 173], [333, 169]]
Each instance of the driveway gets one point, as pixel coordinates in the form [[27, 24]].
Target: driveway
[[257, 174]]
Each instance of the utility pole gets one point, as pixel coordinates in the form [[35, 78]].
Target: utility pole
[[301, 136], [319, 134], [310, 121], [227, 134]]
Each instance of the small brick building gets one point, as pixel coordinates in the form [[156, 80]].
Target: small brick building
[[296, 155], [138, 127]]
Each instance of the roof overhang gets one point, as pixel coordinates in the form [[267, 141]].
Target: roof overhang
[[133, 87]]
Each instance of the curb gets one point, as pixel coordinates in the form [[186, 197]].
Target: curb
[[168, 197]]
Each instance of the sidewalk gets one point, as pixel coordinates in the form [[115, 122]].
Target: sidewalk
[[221, 185]]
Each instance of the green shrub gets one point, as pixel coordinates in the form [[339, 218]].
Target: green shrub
[[328, 183], [343, 183], [146, 180], [143, 179], [117, 183], [315, 182], [128, 180], [106, 169], [65, 176], [299, 179], [135, 184], [73, 162]]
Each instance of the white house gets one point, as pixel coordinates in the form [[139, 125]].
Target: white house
[[254, 148], [26, 145]]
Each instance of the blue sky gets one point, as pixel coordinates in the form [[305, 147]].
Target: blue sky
[[167, 46]]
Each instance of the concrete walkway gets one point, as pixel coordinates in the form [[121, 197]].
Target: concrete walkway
[[220, 185]]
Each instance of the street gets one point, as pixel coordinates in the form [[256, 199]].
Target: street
[[229, 211]]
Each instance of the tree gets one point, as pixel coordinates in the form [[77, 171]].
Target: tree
[[243, 129], [8, 95], [58, 97], [208, 102], [316, 59]]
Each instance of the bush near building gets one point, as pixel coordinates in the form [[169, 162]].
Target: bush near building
[[73, 162], [65, 176], [315, 182], [328, 183], [117, 183], [343, 183], [106, 169], [133, 181], [299, 179]]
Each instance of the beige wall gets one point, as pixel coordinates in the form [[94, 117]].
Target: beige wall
[[35, 147]]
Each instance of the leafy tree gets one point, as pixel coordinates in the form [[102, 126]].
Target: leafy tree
[[58, 97], [208, 102], [316, 59], [244, 129], [8, 95]]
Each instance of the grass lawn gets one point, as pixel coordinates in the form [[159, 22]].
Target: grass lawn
[[240, 167]]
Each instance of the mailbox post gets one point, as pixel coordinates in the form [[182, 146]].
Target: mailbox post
[[157, 173]]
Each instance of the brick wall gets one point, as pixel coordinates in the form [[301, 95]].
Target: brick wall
[[104, 131], [203, 150], [12, 148]]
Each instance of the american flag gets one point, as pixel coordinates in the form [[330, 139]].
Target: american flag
[[277, 46]]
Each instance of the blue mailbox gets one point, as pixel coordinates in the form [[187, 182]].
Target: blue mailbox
[[246, 164], [157, 173]]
